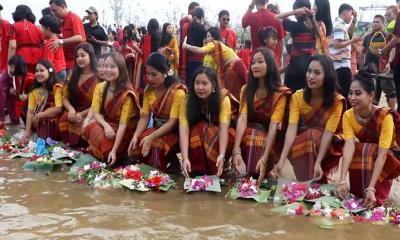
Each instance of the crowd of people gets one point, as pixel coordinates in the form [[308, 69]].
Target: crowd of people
[[148, 94]]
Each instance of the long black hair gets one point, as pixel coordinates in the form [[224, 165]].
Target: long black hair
[[20, 66], [195, 104], [130, 36], [329, 85], [77, 71], [272, 80], [165, 37], [324, 14], [215, 33], [23, 12], [300, 4], [153, 28], [52, 76], [160, 63]]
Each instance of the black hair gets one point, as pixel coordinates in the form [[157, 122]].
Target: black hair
[[23, 12], [223, 13], [194, 103], [52, 76], [380, 17], [329, 85], [192, 5], [344, 7], [77, 71], [160, 63], [365, 77], [324, 15], [130, 36], [143, 30], [46, 11], [20, 66], [115, 35], [153, 28], [265, 33], [122, 80], [272, 80], [273, 8], [165, 37], [196, 34], [51, 22], [261, 2], [300, 4], [59, 3], [198, 12], [215, 33], [247, 43]]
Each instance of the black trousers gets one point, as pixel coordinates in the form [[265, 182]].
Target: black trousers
[[344, 77], [396, 79]]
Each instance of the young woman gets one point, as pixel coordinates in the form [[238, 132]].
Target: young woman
[[116, 111], [312, 140], [322, 11], [157, 146], [370, 154], [128, 50], [205, 136], [262, 109], [14, 87], [78, 95], [170, 47], [44, 103], [231, 69], [303, 34]]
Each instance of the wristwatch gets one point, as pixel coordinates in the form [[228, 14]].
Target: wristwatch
[[60, 41]]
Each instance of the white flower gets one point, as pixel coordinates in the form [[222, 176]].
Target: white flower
[[290, 211], [86, 167], [31, 146], [154, 173]]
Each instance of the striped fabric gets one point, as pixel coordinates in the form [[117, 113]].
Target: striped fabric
[[303, 44], [341, 57]]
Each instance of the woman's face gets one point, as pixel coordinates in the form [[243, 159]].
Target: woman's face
[[11, 69], [111, 71], [82, 59], [169, 29], [42, 73], [315, 75], [100, 67], [209, 38], [156, 78], [203, 87], [259, 66], [358, 97]]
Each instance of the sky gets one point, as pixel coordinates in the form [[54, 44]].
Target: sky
[[142, 10]]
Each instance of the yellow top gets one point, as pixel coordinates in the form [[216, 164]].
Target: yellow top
[[227, 52], [149, 97], [36, 99], [351, 127], [278, 112], [299, 107], [208, 61], [224, 112], [126, 108]]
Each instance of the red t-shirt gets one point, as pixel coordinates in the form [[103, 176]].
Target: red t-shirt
[[56, 57], [245, 55], [5, 28], [72, 26], [228, 37], [396, 31], [259, 19], [29, 40]]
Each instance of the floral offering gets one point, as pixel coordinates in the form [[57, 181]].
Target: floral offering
[[247, 187], [200, 184], [155, 179], [294, 191], [353, 204], [394, 217]]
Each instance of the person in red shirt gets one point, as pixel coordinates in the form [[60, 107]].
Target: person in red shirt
[[72, 31], [185, 20], [51, 27], [5, 28], [262, 18], [245, 54], [25, 37], [228, 35]]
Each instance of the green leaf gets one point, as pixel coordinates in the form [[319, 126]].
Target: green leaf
[[261, 196], [279, 197], [82, 161], [21, 155], [214, 187], [62, 162], [40, 167], [167, 186], [332, 201], [331, 223], [146, 169], [282, 210], [133, 185]]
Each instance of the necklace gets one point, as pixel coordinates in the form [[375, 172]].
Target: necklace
[[362, 120]]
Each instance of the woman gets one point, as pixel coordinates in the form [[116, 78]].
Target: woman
[[231, 69], [25, 37], [170, 47], [204, 126], [113, 43], [322, 11], [150, 44], [313, 141], [116, 111], [78, 95], [262, 109], [304, 39], [157, 146], [370, 154], [128, 50], [44, 103], [15, 85]]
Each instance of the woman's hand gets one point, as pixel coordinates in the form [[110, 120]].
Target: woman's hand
[[132, 145], [112, 158], [36, 119], [370, 200], [186, 168], [78, 117], [72, 116], [237, 161], [24, 139], [12, 91], [318, 173], [220, 164], [261, 168], [341, 190], [278, 168], [109, 132], [146, 144]]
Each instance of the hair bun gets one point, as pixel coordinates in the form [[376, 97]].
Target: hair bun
[[368, 71]]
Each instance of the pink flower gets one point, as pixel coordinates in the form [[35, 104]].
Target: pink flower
[[294, 191]]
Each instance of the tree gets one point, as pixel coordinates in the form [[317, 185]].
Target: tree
[[118, 12], [128, 15]]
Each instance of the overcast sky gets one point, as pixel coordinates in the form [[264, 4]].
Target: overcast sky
[[142, 11]]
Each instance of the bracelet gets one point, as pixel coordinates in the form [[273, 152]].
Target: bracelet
[[223, 157], [341, 183], [236, 153], [370, 189]]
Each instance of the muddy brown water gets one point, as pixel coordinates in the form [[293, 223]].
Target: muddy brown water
[[35, 206]]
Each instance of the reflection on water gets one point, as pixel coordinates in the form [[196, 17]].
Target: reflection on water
[[35, 206]]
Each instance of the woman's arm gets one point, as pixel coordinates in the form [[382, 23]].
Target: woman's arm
[[240, 128], [263, 161], [299, 11], [191, 48], [27, 132], [67, 104], [323, 148], [112, 158], [289, 139], [378, 166], [50, 112], [348, 153], [12, 47]]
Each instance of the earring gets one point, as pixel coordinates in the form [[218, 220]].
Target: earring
[[165, 75], [213, 90]]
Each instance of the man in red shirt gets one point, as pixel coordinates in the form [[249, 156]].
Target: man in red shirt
[[245, 54], [5, 27], [262, 18], [72, 31], [228, 35]]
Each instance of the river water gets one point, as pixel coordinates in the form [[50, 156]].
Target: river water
[[35, 206]]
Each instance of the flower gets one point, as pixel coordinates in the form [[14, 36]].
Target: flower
[[200, 184], [294, 191], [378, 214], [353, 204], [133, 174], [394, 217], [247, 187], [51, 70], [86, 167], [314, 192]]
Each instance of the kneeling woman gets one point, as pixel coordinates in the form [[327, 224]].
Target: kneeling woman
[[157, 146], [116, 111], [372, 160], [44, 103], [312, 140], [204, 134], [262, 109]]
